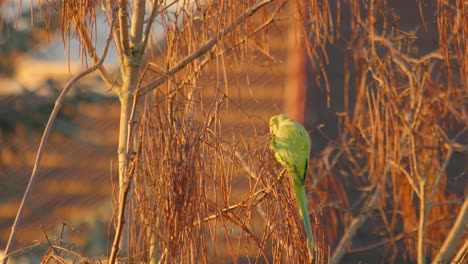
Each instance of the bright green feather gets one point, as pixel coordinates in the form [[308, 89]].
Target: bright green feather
[[291, 144], [301, 198]]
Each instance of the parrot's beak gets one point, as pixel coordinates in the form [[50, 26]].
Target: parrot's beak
[[271, 132]]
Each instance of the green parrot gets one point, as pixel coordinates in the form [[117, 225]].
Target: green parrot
[[291, 144]]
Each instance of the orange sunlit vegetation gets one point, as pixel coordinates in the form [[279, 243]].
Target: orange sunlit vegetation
[[380, 85]]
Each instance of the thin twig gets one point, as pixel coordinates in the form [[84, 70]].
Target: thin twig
[[257, 196], [23, 249], [48, 241], [45, 136], [408, 177], [439, 176], [245, 165]]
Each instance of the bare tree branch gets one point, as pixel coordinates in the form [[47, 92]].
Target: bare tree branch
[[123, 27], [138, 18]]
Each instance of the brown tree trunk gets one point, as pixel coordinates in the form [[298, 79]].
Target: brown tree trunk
[[296, 85]]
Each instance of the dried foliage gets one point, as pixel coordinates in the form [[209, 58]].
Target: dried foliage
[[399, 141], [199, 192], [186, 208], [188, 165]]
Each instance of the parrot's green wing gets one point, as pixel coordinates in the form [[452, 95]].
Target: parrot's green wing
[[292, 147]]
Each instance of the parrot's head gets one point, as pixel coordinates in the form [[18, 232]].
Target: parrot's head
[[275, 122], [273, 125]]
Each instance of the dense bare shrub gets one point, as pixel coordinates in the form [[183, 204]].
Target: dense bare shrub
[[192, 189]]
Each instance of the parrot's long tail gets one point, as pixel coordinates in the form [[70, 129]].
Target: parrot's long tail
[[299, 190]]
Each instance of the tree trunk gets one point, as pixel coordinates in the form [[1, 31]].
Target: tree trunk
[[296, 86]]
